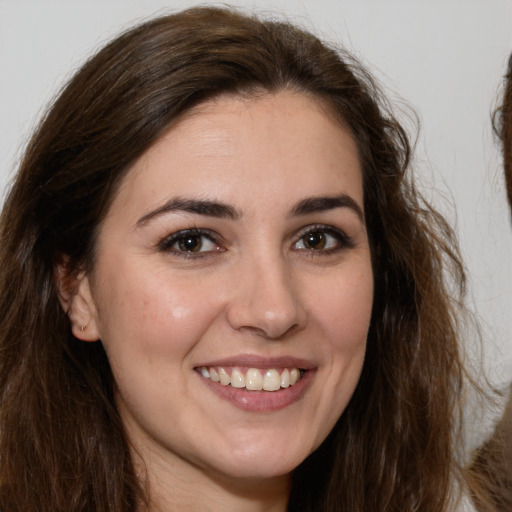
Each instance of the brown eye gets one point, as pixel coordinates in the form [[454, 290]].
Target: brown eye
[[190, 243], [322, 239], [315, 240]]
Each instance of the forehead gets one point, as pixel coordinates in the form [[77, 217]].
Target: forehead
[[286, 141]]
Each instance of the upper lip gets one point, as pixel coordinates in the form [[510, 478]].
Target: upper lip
[[255, 361]]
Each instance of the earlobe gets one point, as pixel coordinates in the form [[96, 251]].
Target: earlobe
[[76, 299], [82, 311]]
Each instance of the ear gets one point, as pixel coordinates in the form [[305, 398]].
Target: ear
[[76, 299]]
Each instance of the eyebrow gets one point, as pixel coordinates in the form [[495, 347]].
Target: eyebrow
[[219, 210], [322, 204], [196, 206]]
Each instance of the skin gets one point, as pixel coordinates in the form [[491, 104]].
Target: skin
[[254, 289]]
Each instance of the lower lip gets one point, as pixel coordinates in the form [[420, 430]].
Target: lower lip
[[261, 401]]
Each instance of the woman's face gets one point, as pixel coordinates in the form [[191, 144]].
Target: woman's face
[[233, 287]]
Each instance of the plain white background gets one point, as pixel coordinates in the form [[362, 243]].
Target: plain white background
[[443, 58]]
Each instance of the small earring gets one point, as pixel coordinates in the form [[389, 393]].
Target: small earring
[[82, 328]]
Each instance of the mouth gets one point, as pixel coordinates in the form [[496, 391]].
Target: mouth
[[253, 379], [256, 384]]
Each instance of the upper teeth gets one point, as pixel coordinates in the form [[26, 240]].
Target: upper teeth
[[253, 379]]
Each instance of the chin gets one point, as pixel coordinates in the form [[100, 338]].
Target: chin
[[257, 463]]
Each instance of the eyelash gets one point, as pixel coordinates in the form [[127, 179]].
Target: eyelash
[[166, 245], [343, 241]]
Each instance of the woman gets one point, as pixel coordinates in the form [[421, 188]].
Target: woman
[[221, 289]]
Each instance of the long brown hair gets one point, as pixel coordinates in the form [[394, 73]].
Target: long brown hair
[[62, 444]]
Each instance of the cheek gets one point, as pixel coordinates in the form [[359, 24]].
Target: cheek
[[343, 311], [149, 314]]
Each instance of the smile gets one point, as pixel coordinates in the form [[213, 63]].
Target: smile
[[253, 379]]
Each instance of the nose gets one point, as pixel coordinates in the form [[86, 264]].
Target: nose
[[265, 300]]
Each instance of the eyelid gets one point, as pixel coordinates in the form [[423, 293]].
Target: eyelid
[[345, 241], [166, 243]]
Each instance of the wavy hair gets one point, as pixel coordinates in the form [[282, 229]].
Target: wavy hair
[[62, 443]]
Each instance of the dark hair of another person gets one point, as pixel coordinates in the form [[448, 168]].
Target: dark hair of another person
[[490, 475], [62, 443], [503, 128], [491, 470]]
